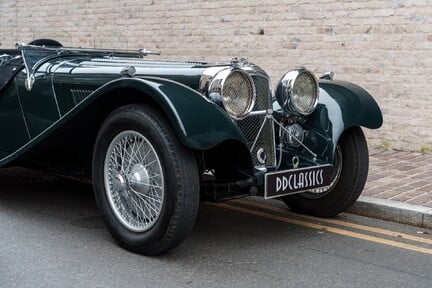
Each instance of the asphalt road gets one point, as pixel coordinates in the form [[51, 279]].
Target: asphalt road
[[51, 235]]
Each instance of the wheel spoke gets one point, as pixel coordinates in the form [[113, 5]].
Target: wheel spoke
[[149, 205], [155, 198], [139, 206], [122, 155], [130, 154], [149, 185], [144, 158]]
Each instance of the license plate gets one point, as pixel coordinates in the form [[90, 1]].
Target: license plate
[[297, 180]]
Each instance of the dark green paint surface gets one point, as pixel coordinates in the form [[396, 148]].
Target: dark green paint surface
[[205, 124], [357, 105], [13, 132], [39, 106], [66, 86]]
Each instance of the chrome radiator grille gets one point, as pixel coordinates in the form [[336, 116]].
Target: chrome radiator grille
[[252, 124]]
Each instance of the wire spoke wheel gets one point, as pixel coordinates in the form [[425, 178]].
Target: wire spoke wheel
[[134, 181], [146, 182]]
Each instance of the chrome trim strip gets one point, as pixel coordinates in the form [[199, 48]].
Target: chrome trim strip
[[55, 95], [22, 111], [257, 113]]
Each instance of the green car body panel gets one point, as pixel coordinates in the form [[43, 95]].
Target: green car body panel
[[357, 106], [13, 128], [176, 100], [73, 86], [35, 112], [156, 137]]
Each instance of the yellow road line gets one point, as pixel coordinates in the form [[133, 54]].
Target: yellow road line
[[327, 228], [339, 222]]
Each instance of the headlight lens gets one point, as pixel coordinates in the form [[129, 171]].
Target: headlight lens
[[235, 89], [298, 90]]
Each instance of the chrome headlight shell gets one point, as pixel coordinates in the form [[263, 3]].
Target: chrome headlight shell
[[298, 91], [235, 89]]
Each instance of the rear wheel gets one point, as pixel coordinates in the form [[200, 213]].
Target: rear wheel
[[145, 181], [351, 164]]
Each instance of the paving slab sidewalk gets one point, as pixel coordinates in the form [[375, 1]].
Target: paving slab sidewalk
[[399, 188]]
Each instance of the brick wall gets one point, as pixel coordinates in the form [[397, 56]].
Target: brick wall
[[385, 46]]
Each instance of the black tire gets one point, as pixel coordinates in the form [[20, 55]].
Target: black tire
[[179, 190], [348, 186]]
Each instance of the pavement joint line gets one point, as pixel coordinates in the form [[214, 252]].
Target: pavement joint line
[[394, 211], [326, 228]]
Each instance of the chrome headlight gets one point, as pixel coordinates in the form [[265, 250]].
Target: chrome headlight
[[235, 89], [298, 90]]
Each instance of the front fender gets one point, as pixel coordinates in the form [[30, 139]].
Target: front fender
[[342, 105], [198, 122], [355, 105]]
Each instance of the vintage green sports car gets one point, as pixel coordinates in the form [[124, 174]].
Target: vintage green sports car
[[157, 136]]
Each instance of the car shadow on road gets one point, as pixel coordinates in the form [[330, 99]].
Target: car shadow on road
[[35, 195]]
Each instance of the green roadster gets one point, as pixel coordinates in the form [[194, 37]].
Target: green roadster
[[156, 137]]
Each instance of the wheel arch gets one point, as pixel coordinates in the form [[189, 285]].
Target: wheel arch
[[199, 123], [220, 146]]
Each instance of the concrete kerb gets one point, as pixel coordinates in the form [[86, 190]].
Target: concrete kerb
[[393, 211]]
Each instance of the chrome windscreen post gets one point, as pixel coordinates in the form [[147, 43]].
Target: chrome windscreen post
[[29, 81], [30, 78]]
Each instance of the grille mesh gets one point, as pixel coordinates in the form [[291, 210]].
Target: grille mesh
[[79, 95], [251, 125]]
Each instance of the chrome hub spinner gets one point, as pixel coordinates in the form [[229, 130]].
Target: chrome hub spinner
[[139, 179]]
